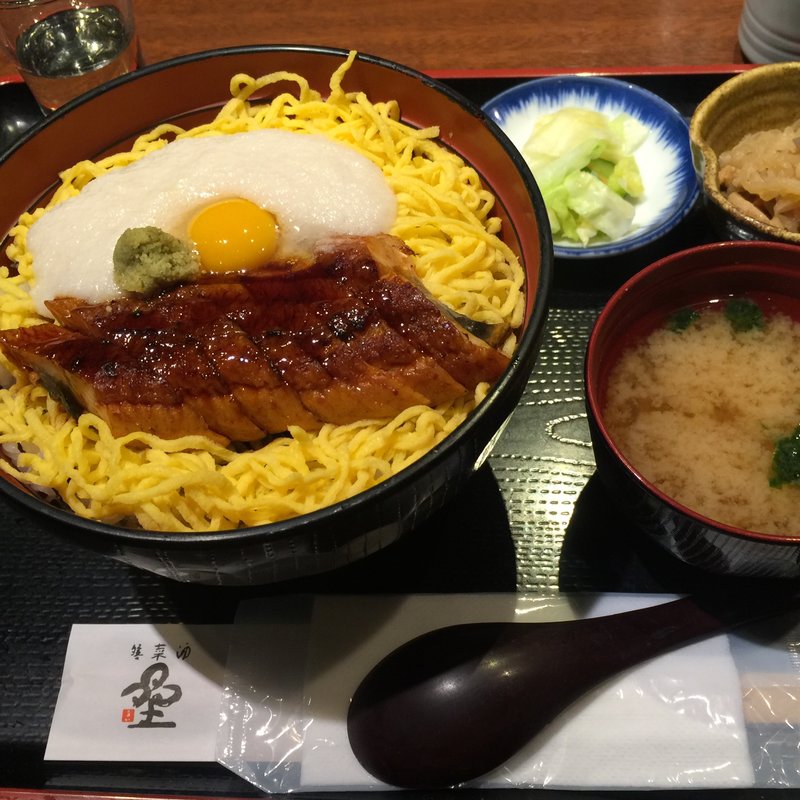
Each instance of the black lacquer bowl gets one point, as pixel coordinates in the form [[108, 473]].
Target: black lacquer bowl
[[188, 91], [680, 280]]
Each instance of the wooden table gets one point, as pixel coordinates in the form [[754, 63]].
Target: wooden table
[[463, 34], [436, 35]]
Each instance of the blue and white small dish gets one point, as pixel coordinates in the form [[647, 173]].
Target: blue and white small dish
[[664, 158]]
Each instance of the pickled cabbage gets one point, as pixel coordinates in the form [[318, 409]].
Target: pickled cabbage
[[584, 165]]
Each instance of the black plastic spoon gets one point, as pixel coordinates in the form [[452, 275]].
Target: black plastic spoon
[[456, 703]]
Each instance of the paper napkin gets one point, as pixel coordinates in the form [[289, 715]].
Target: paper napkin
[[139, 693], [673, 722]]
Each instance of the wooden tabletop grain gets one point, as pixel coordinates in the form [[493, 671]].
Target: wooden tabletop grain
[[445, 35]]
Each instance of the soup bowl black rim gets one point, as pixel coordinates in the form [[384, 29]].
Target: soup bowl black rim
[[480, 419]]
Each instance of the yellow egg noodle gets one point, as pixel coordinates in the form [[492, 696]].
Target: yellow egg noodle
[[194, 484]]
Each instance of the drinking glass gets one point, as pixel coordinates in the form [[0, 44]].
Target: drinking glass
[[63, 48]]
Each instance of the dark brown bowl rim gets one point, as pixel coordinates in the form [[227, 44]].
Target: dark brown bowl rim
[[751, 248], [286, 528]]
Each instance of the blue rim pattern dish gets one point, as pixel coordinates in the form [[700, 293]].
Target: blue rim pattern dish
[[664, 158]]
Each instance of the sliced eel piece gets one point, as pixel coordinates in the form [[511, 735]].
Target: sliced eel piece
[[109, 382], [317, 328], [393, 255], [182, 363], [466, 358], [183, 308], [406, 307], [328, 398], [271, 402], [363, 333], [368, 337], [160, 384]]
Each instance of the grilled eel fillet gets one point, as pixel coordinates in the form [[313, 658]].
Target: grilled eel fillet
[[352, 336]]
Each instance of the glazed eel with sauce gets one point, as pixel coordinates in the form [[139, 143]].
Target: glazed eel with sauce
[[351, 336]]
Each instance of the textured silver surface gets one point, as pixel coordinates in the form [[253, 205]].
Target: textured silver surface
[[544, 458]]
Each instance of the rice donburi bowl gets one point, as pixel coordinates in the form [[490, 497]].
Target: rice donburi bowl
[[465, 252]]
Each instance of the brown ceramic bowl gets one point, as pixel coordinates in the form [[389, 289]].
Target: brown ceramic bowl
[[644, 302], [758, 99], [188, 91]]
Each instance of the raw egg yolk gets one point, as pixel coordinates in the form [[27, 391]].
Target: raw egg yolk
[[233, 235]]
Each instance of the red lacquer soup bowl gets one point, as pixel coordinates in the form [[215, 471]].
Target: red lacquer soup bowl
[[685, 280]]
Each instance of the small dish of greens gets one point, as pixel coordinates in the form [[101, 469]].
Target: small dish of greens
[[611, 159]]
